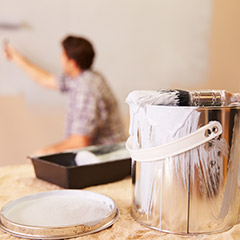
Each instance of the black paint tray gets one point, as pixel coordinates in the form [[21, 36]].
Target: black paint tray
[[61, 169]]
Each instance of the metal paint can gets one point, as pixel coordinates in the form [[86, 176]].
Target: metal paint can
[[189, 184]]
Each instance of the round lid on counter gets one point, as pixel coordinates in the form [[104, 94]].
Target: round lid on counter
[[58, 214]]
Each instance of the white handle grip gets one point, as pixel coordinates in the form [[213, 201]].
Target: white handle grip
[[204, 134]]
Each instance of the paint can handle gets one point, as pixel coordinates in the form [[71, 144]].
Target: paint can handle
[[203, 135]]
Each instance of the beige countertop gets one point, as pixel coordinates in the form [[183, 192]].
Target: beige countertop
[[17, 181]]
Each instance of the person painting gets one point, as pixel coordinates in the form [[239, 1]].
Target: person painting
[[93, 115]]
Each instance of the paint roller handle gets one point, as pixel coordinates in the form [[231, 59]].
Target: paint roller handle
[[10, 52]]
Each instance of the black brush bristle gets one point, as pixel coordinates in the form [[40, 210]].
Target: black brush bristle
[[183, 97]]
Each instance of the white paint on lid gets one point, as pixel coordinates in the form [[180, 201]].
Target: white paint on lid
[[60, 208]]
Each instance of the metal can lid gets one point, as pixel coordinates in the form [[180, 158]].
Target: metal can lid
[[58, 214]]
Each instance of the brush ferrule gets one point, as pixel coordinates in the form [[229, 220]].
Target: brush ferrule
[[208, 98]]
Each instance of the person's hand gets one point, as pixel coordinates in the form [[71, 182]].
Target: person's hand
[[43, 151], [10, 52]]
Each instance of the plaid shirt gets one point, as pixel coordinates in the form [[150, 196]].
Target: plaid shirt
[[92, 109]]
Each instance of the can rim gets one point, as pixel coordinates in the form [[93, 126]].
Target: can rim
[[233, 106]]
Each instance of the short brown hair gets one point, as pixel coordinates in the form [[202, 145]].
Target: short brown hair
[[80, 50]]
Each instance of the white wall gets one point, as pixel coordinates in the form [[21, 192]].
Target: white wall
[[141, 44]]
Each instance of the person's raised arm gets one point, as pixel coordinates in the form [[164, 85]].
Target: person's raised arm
[[39, 75]]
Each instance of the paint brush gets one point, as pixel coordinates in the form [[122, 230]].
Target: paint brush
[[175, 97]]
